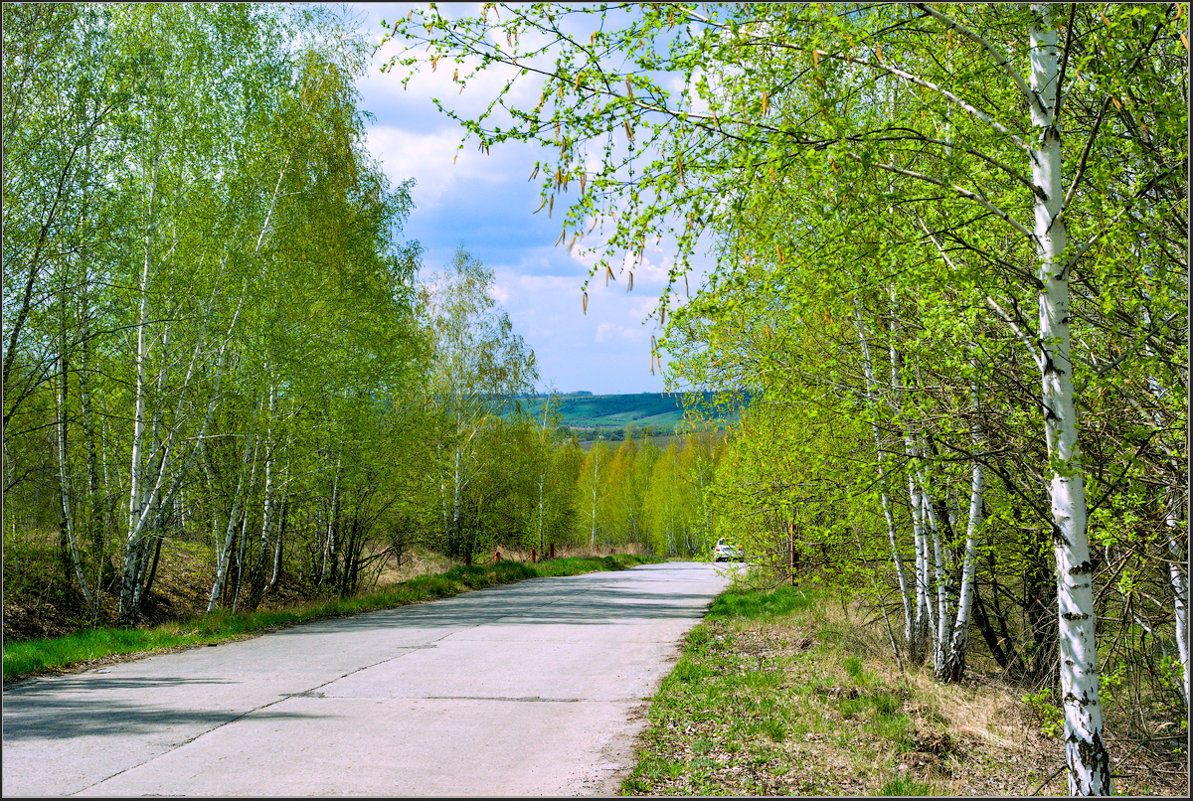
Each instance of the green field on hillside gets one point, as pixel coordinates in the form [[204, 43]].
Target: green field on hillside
[[609, 416]]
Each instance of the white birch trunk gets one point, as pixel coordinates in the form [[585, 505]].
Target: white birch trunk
[[1173, 516], [1180, 593], [96, 527], [900, 573], [267, 501], [940, 614], [923, 606], [277, 550], [132, 548], [922, 622], [223, 551], [244, 533], [64, 484], [954, 668], [1086, 755], [329, 542], [276, 574]]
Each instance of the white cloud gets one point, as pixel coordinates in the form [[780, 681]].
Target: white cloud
[[436, 163], [609, 332], [485, 202], [500, 294]]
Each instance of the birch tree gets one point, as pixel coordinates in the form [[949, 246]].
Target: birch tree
[[205, 247], [778, 88], [480, 368]]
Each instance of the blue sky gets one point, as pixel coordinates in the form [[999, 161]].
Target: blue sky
[[487, 204]]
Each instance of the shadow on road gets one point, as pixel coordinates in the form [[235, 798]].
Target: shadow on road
[[532, 602], [67, 709]]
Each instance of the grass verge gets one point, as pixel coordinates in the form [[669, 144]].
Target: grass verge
[[787, 691], [47, 655]]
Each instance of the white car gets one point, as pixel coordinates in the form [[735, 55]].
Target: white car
[[725, 551]]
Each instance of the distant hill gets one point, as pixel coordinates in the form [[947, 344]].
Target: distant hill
[[608, 416]]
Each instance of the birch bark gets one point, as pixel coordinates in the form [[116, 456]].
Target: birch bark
[[64, 479], [1086, 755], [223, 551], [136, 502], [954, 666], [900, 573]]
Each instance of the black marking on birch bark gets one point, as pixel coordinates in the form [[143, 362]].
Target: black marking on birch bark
[[1092, 755], [1042, 195], [1050, 367], [1040, 103], [1085, 567], [1055, 219], [1058, 535], [1074, 615]]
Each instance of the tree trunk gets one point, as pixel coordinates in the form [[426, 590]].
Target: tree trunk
[[953, 668], [1086, 755], [905, 595], [67, 533], [941, 613], [223, 552], [1180, 591], [277, 549], [260, 564], [130, 578], [922, 625], [96, 528]]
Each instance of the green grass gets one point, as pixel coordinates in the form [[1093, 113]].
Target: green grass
[[903, 786], [792, 691], [31, 657], [754, 605], [775, 695]]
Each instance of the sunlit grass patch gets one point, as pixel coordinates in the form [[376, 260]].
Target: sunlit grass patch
[[749, 604]]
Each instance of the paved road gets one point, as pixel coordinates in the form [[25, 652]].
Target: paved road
[[536, 688]]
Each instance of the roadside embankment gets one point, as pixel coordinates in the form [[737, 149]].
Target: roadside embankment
[[790, 691]]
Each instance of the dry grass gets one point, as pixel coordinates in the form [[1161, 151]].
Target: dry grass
[[812, 702], [414, 563], [422, 562]]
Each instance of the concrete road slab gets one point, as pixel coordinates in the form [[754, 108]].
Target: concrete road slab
[[537, 688]]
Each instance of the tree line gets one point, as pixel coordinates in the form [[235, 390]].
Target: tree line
[[950, 247], [206, 311], [216, 339]]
